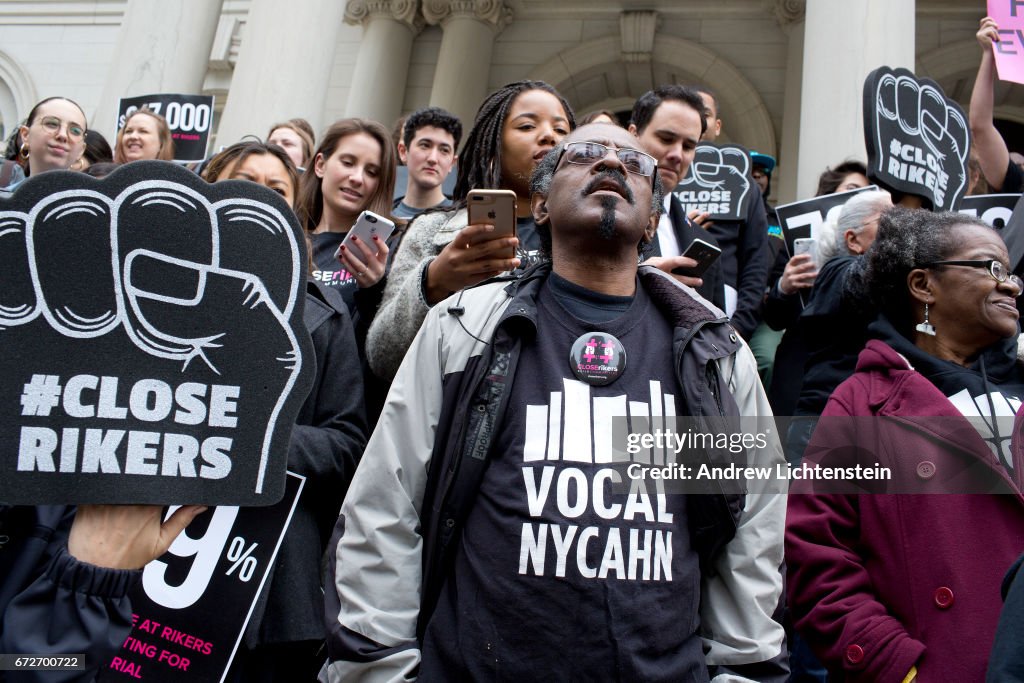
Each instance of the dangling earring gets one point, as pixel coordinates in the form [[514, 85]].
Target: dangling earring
[[926, 327], [24, 150]]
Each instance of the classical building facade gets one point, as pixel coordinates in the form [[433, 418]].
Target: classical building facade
[[788, 73]]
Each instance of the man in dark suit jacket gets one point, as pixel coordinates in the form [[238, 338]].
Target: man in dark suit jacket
[[669, 121], [746, 255]]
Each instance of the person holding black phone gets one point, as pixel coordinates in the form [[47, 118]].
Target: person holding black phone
[[746, 255], [669, 122]]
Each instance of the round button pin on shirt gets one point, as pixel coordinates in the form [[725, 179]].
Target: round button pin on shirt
[[597, 358]]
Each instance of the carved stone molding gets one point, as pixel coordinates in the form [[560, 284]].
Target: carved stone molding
[[404, 11], [637, 34], [227, 42], [493, 12], [787, 12]]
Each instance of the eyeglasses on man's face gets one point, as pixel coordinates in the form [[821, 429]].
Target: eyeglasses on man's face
[[633, 160], [995, 268], [52, 124]]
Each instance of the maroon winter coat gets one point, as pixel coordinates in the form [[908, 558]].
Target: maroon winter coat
[[880, 583]]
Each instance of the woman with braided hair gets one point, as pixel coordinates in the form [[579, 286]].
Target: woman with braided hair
[[440, 254]]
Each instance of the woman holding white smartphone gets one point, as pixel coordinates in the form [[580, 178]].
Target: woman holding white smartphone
[[353, 170], [441, 253]]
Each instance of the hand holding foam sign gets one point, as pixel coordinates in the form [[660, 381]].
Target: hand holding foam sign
[[152, 338], [718, 182], [191, 608], [1007, 38], [917, 139]]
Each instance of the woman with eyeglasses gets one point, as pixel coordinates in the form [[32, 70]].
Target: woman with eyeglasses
[[904, 583], [441, 254], [52, 138]]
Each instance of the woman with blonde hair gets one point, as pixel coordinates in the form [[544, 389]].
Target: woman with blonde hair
[[294, 136], [145, 135]]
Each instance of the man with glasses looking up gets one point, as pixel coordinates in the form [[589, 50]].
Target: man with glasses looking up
[[492, 529]]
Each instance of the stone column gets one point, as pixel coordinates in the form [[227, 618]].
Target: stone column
[[161, 47], [382, 66], [790, 15], [843, 42], [284, 66], [464, 62]]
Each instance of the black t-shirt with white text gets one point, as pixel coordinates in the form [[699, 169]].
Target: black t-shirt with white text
[[528, 251], [559, 575], [328, 270]]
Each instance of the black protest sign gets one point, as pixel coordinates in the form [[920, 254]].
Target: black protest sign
[[994, 209], [718, 182], [917, 138], [191, 608], [1013, 234], [804, 219], [153, 343], [189, 117]]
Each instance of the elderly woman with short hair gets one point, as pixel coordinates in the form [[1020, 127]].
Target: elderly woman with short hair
[[893, 586]]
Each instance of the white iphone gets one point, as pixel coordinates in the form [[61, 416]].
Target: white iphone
[[367, 226], [806, 245]]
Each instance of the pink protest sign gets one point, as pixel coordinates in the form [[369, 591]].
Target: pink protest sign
[[1009, 51]]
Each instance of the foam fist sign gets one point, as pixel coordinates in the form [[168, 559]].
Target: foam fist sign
[[917, 139], [152, 342], [718, 182]]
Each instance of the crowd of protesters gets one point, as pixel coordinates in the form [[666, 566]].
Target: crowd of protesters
[[435, 346]]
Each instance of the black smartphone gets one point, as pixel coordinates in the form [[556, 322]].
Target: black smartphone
[[704, 253]]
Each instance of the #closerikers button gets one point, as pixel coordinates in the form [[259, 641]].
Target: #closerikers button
[[597, 358]]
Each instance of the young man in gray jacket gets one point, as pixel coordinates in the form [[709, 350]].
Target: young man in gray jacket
[[491, 530]]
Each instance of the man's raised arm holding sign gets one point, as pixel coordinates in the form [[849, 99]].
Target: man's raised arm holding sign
[[993, 155]]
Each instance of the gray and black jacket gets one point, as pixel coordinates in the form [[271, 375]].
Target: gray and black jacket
[[401, 520]]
